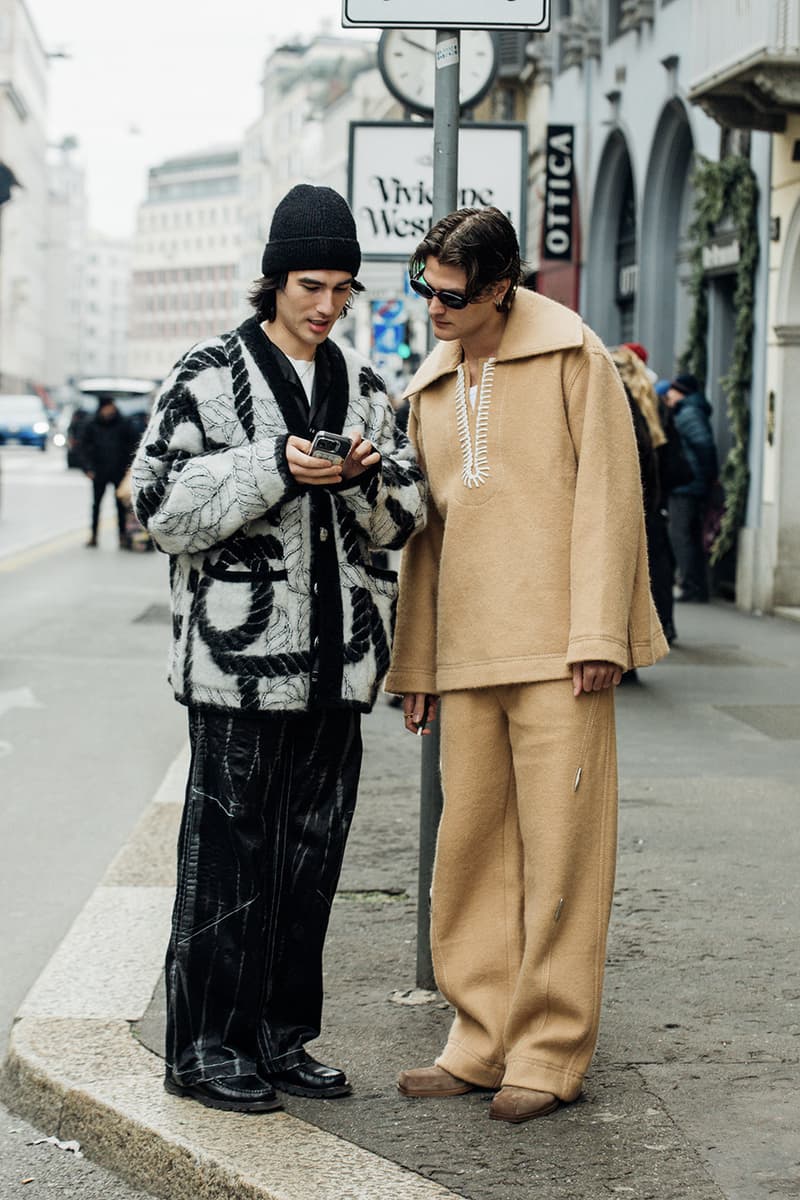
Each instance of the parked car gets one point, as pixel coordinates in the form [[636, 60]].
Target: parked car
[[24, 419]]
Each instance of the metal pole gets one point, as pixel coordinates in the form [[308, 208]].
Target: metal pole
[[445, 200], [445, 123]]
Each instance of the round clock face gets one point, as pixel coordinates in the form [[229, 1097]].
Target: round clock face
[[407, 62]]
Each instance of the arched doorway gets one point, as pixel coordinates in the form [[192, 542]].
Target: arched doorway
[[612, 266], [665, 307]]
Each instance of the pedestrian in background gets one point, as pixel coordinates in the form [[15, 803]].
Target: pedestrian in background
[[282, 627], [107, 446], [643, 355], [688, 503], [522, 603], [650, 442]]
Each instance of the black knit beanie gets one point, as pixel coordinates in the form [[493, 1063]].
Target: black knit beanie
[[312, 229]]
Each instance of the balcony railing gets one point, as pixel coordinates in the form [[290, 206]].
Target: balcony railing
[[746, 61]]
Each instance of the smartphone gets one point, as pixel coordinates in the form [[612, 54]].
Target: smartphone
[[333, 447]]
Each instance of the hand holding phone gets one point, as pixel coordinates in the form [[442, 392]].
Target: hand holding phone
[[333, 447], [363, 455], [311, 469]]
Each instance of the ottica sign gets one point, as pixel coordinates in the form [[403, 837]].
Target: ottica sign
[[559, 192], [448, 14]]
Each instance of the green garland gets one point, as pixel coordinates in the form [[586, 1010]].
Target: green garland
[[726, 188]]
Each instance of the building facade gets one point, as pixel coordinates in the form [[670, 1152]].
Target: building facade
[[23, 218], [747, 74], [67, 233], [105, 306], [622, 73], [186, 282]]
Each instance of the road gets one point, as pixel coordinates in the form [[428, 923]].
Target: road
[[87, 731]]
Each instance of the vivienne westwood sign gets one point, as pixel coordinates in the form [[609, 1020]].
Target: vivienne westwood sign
[[391, 180]]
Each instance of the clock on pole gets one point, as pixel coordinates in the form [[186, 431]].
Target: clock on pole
[[407, 60]]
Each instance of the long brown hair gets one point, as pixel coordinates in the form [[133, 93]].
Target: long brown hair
[[634, 375]]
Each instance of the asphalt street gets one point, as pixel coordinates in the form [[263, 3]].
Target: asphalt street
[[87, 729]]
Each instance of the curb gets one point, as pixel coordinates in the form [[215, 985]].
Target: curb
[[74, 1066]]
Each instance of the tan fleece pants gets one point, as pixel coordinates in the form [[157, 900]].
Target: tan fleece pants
[[523, 881]]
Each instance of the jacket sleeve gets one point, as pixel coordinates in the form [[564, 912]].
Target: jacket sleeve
[[388, 502], [86, 448], [188, 493], [413, 666], [608, 531]]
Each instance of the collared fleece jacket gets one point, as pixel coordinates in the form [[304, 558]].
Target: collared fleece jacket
[[276, 602], [544, 563]]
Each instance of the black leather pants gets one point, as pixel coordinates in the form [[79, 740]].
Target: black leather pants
[[269, 803]]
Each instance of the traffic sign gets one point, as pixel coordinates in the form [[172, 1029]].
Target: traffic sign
[[448, 14], [388, 326]]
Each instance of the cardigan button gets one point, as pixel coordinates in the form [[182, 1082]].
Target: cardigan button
[[323, 535]]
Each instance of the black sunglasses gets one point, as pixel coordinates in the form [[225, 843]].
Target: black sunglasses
[[448, 299]]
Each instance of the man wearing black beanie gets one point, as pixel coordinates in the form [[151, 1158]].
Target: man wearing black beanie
[[282, 625]]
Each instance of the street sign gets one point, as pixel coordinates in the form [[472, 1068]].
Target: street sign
[[391, 180], [448, 14], [388, 325]]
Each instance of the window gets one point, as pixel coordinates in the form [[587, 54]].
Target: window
[[625, 15]]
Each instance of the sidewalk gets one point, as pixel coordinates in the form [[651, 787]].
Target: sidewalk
[[693, 1092]]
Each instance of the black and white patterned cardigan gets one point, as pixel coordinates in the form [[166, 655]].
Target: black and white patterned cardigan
[[276, 603]]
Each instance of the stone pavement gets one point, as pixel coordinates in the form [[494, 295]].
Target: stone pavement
[[694, 1088]]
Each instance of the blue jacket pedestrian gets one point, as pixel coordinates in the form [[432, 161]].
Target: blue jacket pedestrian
[[692, 416]]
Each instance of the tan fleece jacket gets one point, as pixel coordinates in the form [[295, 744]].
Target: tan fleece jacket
[[544, 564]]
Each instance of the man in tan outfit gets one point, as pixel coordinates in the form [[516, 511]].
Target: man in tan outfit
[[522, 602]]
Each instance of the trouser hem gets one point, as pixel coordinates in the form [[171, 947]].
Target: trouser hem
[[543, 1077], [283, 1062], [470, 1067]]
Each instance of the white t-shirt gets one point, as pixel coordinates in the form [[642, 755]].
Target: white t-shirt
[[305, 373]]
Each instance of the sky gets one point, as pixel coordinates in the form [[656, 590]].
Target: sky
[[153, 78]]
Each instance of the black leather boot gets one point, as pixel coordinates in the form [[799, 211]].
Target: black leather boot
[[310, 1078], [238, 1093]]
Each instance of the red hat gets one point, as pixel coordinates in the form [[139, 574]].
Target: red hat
[[638, 349]]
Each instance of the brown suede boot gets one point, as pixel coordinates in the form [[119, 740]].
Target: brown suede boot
[[433, 1082], [518, 1104]]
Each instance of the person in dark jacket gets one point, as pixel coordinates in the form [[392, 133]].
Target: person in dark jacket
[[651, 442], [688, 502], [107, 446]]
